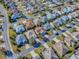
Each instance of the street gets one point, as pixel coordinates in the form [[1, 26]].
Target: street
[[5, 32]]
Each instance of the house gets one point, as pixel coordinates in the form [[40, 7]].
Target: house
[[67, 56], [76, 34], [12, 5], [19, 28], [28, 23], [41, 8], [77, 12], [67, 40], [47, 26], [70, 17], [55, 1], [9, 53], [74, 15], [53, 54], [65, 18], [59, 22], [49, 54], [40, 31], [67, 10], [62, 20], [21, 40], [16, 16], [7, 1], [65, 49], [30, 7], [30, 34], [54, 16], [77, 53], [44, 19], [36, 21], [57, 13], [75, 7], [49, 15], [60, 48]]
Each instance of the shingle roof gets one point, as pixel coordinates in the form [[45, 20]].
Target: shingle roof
[[21, 40]]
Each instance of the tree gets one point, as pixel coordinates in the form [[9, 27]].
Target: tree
[[22, 57]]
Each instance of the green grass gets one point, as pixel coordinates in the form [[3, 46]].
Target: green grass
[[60, 37], [73, 30], [39, 50], [0, 21], [2, 55], [12, 33], [0, 15], [49, 43]]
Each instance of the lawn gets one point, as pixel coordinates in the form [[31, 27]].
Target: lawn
[[17, 50], [50, 44], [12, 33], [60, 37], [0, 21], [73, 30], [39, 50], [2, 56]]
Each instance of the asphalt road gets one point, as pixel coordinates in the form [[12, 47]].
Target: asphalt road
[[5, 32]]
